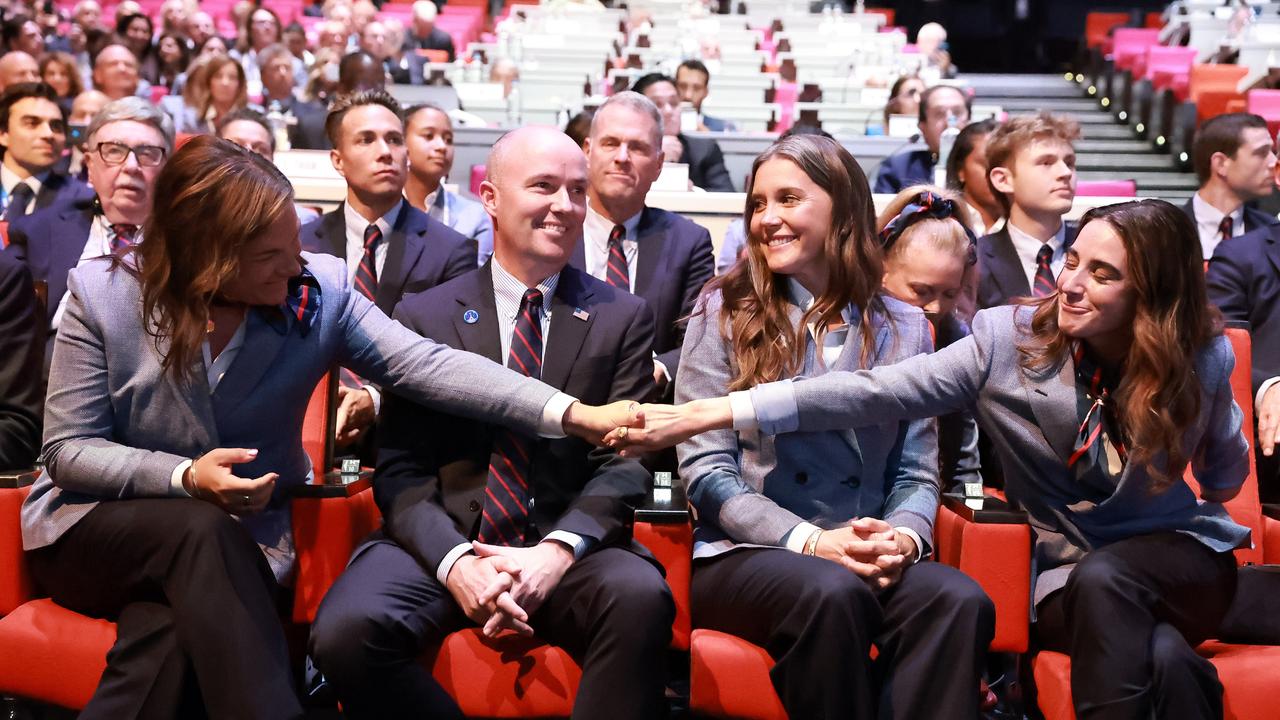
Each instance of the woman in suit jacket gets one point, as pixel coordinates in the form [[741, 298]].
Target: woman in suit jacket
[[173, 432], [807, 545], [1096, 399]]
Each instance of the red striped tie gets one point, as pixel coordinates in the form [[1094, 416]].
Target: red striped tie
[[617, 273], [506, 495], [1045, 284], [1225, 227], [366, 282]]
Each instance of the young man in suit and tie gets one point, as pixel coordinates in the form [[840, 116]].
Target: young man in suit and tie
[[1033, 174], [486, 527], [658, 255], [126, 146], [33, 135], [702, 155], [392, 249], [1234, 158]]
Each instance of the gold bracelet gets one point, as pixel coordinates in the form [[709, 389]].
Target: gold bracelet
[[811, 545], [195, 485]]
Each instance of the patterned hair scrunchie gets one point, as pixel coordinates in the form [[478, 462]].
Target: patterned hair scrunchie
[[928, 205]]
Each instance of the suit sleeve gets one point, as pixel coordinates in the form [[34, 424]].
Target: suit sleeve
[[715, 175], [1222, 459], [603, 509], [886, 180], [1229, 281], [701, 267], [21, 363], [19, 241], [709, 466]]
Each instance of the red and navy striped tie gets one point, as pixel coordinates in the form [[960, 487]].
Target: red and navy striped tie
[[1098, 426], [617, 273], [506, 496], [1226, 227], [1045, 284], [366, 282]]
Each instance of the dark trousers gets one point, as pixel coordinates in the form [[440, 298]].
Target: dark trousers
[[1130, 616], [192, 596], [818, 621], [612, 612]]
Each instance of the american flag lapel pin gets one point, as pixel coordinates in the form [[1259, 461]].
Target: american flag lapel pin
[[581, 314]]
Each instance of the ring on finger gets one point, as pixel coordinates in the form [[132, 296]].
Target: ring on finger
[[622, 432], [246, 500]]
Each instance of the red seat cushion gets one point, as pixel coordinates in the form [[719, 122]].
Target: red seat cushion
[[506, 677], [62, 654], [729, 677]]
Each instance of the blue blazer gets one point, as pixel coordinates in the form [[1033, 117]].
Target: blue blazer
[[1001, 277], [21, 366], [50, 242], [1244, 282], [752, 489], [421, 252], [904, 169], [674, 261]]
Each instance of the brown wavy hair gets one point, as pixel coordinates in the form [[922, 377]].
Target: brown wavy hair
[[1158, 396], [211, 199], [200, 76], [754, 314]]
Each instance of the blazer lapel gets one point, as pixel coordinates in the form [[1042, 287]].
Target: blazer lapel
[[1053, 401], [1272, 249], [579, 257], [1005, 266], [67, 245], [261, 345], [332, 234], [404, 248], [651, 243], [568, 330], [481, 335]]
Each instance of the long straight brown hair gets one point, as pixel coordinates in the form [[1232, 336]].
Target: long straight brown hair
[[754, 316], [1158, 396], [211, 199]]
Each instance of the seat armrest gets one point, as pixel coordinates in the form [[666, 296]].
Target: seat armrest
[[329, 519], [663, 526], [1271, 534], [991, 543], [15, 582]]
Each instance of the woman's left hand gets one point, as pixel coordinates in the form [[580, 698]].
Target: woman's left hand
[[666, 425]]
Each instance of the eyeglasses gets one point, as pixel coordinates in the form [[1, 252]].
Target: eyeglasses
[[114, 153]]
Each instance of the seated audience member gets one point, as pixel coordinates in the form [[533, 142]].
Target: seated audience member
[[1244, 282], [322, 81], [295, 38], [579, 126], [199, 27], [21, 33], [125, 147], [59, 71], [907, 91], [1033, 175], [360, 72], [423, 33], [304, 120], [1234, 156], [1098, 398], [135, 31], [450, 490], [251, 131], [33, 136], [363, 12], [263, 30], [931, 44], [703, 156], [18, 67], [967, 175], [86, 105], [21, 367], [658, 255], [940, 106], [930, 255], [215, 87], [430, 143], [212, 45], [505, 71], [173, 17], [391, 248], [332, 34], [87, 14], [820, 565], [692, 82], [173, 434], [115, 72], [173, 57]]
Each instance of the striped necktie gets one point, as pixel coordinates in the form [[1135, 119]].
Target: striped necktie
[[1225, 227], [123, 236], [366, 279], [617, 273], [1097, 429], [506, 496], [1045, 284]]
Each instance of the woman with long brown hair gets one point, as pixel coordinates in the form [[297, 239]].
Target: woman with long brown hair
[[1096, 398], [179, 382], [807, 545], [215, 87]]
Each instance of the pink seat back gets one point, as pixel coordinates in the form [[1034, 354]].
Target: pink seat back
[[1106, 188], [1264, 102]]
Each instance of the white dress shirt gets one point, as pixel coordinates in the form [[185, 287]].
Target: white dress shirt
[[9, 180], [1208, 220], [356, 224], [596, 230], [1028, 247]]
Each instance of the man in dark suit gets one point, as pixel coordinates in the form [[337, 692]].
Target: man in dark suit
[[702, 155], [1234, 159], [941, 106], [1033, 174], [21, 348], [1244, 282], [658, 255], [483, 527], [33, 135], [423, 33], [127, 144], [305, 120], [391, 248]]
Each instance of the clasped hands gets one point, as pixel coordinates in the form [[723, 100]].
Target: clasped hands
[[502, 587], [870, 548]]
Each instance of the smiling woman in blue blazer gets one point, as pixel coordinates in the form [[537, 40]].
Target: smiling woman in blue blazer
[[173, 432], [1096, 399], [807, 544]]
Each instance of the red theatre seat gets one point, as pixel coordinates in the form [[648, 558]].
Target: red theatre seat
[[1130, 49], [1098, 27]]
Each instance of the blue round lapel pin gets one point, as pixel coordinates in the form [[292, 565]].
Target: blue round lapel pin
[[471, 317]]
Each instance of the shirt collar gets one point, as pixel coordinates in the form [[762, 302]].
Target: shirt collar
[[1028, 246], [1207, 214], [508, 291], [802, 298], [357, 224], [597, 227], [10, 179]]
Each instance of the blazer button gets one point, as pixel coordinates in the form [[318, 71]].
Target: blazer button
[[802, 478], [473, 506], [853, 482]]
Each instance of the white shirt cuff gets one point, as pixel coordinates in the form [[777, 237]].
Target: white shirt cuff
[[1262, 390], [376, 396], [744, 411], [552, 423], [915, 537], [442, 571], [576, 543], [666, 374], [175, 480], [799, 534]]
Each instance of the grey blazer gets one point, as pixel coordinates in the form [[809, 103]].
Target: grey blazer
[[751, 489], [116, 427], [1031, 418]]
